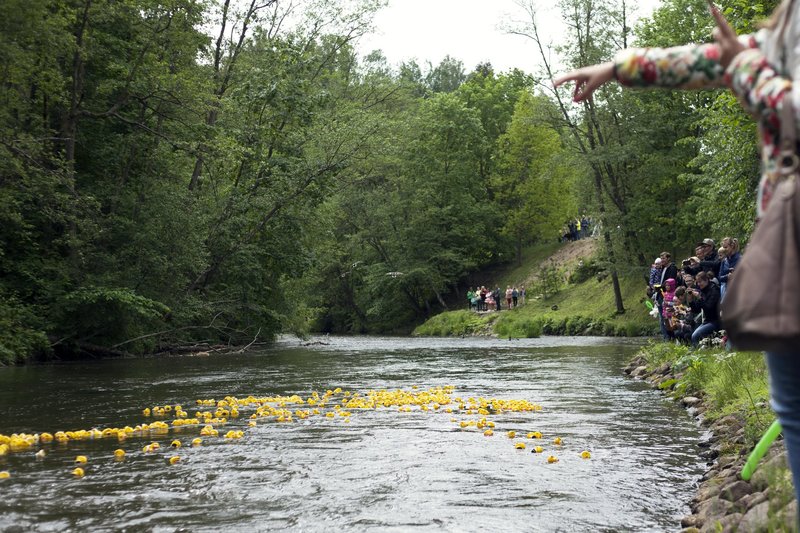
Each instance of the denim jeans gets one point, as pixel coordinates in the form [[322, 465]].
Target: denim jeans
[[702, 331], [784, 385]]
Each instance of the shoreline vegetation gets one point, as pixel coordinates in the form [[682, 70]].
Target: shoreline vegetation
[[569, 293], [727, 392]]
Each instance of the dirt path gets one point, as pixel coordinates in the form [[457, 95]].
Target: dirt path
[[568, 256]]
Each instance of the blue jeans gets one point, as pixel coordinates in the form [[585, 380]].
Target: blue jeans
[[784, 386], [703, 331]]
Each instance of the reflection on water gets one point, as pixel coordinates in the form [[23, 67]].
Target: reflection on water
[[385, 471]]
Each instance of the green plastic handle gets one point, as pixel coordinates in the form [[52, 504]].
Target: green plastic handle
[[760, 450]]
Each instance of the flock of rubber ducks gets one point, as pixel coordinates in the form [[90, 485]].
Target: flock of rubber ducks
[[335, 404]]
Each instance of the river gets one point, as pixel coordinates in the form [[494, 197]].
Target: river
[[376, 470]]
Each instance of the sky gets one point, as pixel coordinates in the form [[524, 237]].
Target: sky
[[469, 30]]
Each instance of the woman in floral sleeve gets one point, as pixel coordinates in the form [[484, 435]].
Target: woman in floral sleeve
[[759, 69]]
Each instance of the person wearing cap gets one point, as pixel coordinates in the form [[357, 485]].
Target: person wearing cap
[[709, 260]]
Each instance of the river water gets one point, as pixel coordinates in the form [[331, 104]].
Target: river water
[[384, 470]]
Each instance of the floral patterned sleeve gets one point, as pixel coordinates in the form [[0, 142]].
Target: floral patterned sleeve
[[694, 66], [758, 85]]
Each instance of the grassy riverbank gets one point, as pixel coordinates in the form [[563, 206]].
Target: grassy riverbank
[[570, 293], [728, 392]]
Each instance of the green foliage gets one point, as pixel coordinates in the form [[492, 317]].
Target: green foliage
[[18, 339], [514, 325]]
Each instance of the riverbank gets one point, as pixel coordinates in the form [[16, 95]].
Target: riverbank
[[569, 291], [727, 393]]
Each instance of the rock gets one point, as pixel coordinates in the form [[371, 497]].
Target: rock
[[748, 501], [707, 492], [755, 519], [711, 453], [664, 369], [691, 401], [787, 516], [690, 521], [690, 530], [734, 491], [713, 509], [727, 424], [726, 460], [639, 371], [770, 471], [728, 523]]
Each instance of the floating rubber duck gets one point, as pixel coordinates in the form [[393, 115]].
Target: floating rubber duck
[[4, 449], [174, 459], [552, 459], [488, 433], [534, 435], [197, 441], [78, 472], [586, 454], [519, 446], [81, 460], [40, 454], [119, 453], [4, 475], [557, 441], [537, 449], [45, 438], [511, 434], [175, 444]]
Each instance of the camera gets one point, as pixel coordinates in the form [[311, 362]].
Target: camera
[[685, 262]]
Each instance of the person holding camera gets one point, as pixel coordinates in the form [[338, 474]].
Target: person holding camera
[[706, 299]]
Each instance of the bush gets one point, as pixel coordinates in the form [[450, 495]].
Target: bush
[[585, 271], [18, 341], [513, 325], [454, 323]]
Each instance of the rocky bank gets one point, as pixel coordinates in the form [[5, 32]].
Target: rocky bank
[[724, 502]]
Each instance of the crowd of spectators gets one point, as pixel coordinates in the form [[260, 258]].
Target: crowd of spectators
[[483, 299], [686, 298]]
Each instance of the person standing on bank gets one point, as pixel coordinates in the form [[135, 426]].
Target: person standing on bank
[[759, 69]]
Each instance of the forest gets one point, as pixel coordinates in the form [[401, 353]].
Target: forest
[[182, 171]]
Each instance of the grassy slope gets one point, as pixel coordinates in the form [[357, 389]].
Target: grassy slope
[[580, 308]]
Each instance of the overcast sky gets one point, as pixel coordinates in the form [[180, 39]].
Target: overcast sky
[[469, 30]]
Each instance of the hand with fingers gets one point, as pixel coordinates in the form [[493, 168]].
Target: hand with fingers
[[725, 36], [587, 80]]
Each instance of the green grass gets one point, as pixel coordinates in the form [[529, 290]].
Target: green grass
[[730, 382], [455, 323]]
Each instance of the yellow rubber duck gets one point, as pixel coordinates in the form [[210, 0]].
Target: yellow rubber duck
[[552, 459], [81, 459], [488, 433], [78, 472], [538, 449], [511, 434], [174, 459], [557, 441], [197, 442], [586, 454], [4, 475], [519, 446], [46, 437], [119, 453], [175, 444]]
